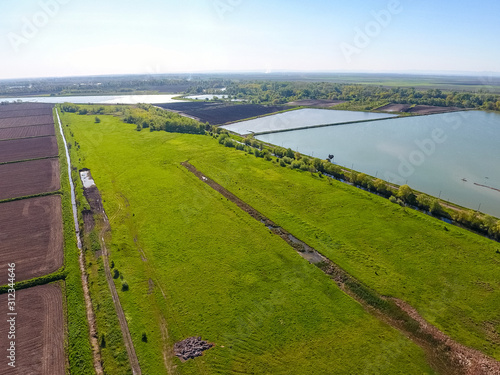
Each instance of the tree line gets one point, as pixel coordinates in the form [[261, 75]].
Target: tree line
[[371, 96], [147, 116], [402, 195], [144, 116]]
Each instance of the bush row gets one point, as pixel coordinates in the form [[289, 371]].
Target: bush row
[[402, 195]]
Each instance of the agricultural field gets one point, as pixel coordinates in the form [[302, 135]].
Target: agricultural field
[[19, 112], [31, 237], [22, 108], [27, 132], [13, 122], [29, 148], [418, 109], [217, 113], [197, 265], [29, 178], [39, 332], [38, 235]]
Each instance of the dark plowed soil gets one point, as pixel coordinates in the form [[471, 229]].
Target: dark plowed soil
[[25, 112], [14, 122], [28, 148], [31, 236], [39, 332], [94, 198], [418, 109], [191, 347], [27, 132], [221, 113], [88, 221], [29, 178], [22, 107]]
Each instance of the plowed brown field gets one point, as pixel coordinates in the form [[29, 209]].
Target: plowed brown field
[[26, 112], [31, 236], [39, 335], [29, 148], [26, 121], [27, 132], [24, 106], [28, 178]]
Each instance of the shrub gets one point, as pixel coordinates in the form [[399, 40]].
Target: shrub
[[103, 341], [435, 208], [228, 142], [124, 286], [116, 274]]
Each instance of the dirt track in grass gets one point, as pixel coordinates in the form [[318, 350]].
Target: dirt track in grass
[[445, 355]]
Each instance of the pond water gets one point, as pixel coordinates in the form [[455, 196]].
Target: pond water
[[116, 99], [455, 155], [301, 118]]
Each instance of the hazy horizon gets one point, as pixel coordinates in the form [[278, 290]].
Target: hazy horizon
[[72, 38]]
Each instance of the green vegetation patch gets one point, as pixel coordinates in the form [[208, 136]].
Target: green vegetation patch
[[448, 274], [197, 265], [78, 347]]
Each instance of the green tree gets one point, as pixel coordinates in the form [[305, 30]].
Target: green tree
[[406, 194], [435, 208], [381, 187]]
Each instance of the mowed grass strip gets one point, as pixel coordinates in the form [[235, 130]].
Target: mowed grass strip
[[193, 259], [448, 274]]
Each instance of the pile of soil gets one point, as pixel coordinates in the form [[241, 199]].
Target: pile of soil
[[191, 347]]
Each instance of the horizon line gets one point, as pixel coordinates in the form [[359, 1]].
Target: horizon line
[[451, 73]]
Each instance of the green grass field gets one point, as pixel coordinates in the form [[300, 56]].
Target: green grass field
[[449, 275], [199, 266]]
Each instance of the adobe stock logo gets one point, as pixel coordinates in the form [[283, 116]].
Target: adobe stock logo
[[425, 148], [222, 7], [32, 25], [364, 37]]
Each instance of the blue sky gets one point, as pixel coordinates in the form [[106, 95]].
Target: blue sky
[[88, 37]]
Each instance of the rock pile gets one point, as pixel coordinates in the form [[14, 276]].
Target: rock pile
[[191, 347]]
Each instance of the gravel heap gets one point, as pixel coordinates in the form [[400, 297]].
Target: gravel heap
[[191, 347]]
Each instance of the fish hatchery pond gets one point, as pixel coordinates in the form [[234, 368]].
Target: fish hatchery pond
[[454, 156]]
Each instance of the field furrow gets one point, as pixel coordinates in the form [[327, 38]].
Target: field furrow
[[31, 237], [29, 178], [29, 148]]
